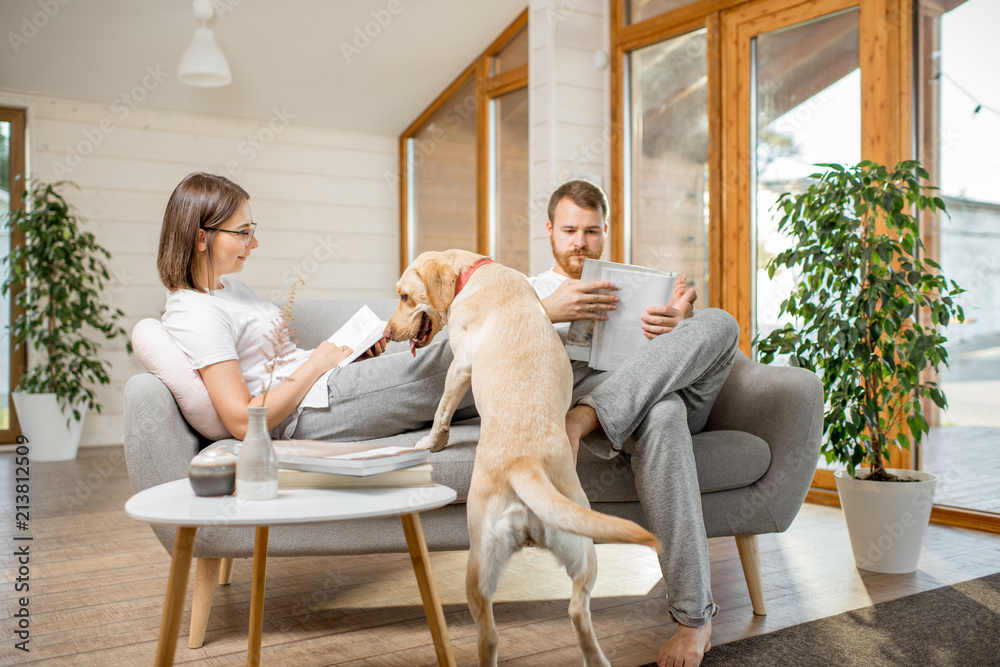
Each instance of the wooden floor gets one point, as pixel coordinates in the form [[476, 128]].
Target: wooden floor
[[97, 582]]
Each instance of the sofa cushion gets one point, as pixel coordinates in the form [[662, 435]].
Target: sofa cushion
[[160, 355], [725, 459], [729, 459]]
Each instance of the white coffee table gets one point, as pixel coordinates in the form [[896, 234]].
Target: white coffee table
[[175, 504]]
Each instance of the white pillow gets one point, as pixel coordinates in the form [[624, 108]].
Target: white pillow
[[160, 355]]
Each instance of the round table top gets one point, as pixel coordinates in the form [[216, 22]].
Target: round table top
[[175, 504]]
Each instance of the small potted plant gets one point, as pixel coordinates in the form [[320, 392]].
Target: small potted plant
[[57, 276], [866, 315]]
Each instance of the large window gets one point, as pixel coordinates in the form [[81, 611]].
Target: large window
[[721, 106], [806, 109], [960, 123], [441, 160], [667, 210], [12, 185], [464, 161]]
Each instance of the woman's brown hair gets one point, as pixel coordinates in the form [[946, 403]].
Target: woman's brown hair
[[200, 201]]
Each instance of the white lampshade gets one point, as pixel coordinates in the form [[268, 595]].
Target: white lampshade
[[204, 64]]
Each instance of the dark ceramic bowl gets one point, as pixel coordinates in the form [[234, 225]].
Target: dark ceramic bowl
[[213, 473]]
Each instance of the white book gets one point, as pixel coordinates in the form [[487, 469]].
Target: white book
[[606, 344], [359, 333]]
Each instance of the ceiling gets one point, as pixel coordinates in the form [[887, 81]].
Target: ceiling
[[287, 55]]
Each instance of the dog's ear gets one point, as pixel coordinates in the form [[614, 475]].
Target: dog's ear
[[439, 280]]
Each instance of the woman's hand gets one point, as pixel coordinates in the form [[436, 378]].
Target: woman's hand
[[375, 350], [327, 355]]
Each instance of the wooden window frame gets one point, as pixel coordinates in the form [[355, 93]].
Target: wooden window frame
[[488, 87], [18, 175], [887, 135]]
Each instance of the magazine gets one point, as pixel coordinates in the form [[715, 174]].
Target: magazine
[[359, 333], [418, 475], [356, 459], [605, 344]]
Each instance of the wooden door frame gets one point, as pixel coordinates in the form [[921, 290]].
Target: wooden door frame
[[18, 175]]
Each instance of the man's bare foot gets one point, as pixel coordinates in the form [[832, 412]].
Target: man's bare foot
[[581, 421], [687, 647], [682, 298]]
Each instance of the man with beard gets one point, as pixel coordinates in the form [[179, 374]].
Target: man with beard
[[648, 408]]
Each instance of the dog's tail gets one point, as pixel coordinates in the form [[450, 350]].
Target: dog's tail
[[533, 486]]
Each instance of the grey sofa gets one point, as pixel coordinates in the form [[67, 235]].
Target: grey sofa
[[755, 462]]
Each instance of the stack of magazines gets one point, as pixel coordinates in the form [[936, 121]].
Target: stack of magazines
[[318, 464]]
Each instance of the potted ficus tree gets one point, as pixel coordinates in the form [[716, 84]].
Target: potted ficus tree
[[867, 315], [57, 275]]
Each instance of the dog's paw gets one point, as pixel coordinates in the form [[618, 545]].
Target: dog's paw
[[435, 444]]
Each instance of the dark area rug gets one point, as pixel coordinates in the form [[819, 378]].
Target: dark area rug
[[953, 625]]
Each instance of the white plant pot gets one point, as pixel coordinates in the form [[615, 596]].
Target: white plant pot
[[43, 422], [887, 520]]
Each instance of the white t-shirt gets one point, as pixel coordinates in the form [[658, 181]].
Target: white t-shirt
[[231, 323], [545, 284]]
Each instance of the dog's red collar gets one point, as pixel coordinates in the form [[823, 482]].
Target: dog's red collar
[[463, 278]]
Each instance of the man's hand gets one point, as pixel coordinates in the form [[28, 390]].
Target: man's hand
[[664, 318], [574, 300]]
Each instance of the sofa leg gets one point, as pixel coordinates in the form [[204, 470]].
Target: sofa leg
[[205, 576], [750, 558], [226, 572]]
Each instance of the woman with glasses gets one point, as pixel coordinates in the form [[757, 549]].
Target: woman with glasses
[[221, 324]]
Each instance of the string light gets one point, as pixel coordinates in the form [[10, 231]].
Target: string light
[[979, 105]]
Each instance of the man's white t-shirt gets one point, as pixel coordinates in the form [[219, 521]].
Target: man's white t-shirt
[[545, 284], [231, 323]]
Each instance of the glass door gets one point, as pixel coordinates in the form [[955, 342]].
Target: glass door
[[960, 118]]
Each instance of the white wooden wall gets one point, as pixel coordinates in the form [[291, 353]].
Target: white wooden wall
[[322, 198], [569, 106]]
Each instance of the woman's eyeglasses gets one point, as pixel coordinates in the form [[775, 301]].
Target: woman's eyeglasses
[[247, 235]]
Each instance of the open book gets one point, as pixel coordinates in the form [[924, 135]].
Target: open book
[[359, 333], [605, 344], [357, 459]]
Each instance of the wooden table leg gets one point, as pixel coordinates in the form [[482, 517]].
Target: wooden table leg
[[173, 604], [257, 596], [428, 592]]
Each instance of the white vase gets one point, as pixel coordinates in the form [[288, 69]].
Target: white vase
[[257, 464], [44, 423], [887, 520]]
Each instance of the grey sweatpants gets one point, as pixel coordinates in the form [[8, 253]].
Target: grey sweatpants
[[649, 408], [384, 396]]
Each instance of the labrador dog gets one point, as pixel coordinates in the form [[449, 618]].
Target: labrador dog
[[525, 490]]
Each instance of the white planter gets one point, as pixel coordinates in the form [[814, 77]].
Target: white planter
[[44, 424], [887, 520]]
